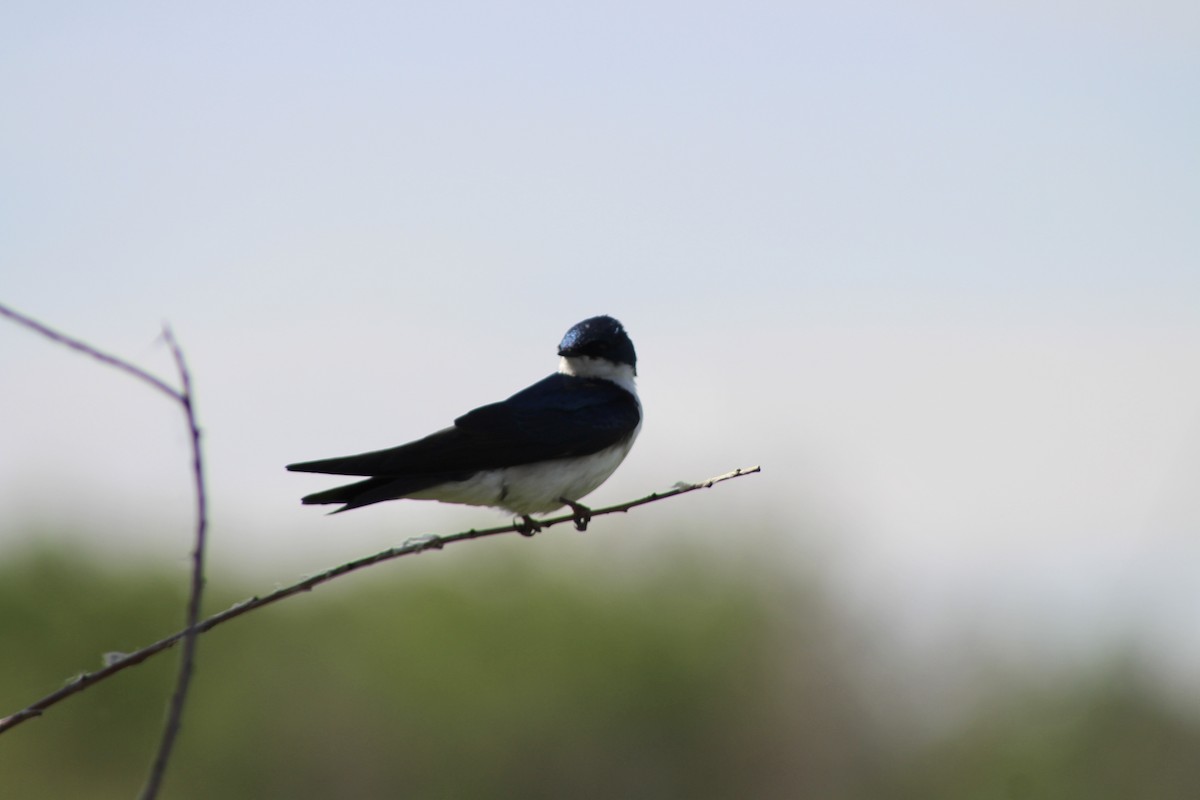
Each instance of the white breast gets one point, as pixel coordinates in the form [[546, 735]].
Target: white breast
[[534, 488], [537, 488]]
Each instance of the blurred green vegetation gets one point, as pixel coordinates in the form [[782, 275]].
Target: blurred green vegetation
[[686, 677]]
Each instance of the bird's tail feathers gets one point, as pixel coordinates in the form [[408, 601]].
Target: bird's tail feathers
[[374, 490]]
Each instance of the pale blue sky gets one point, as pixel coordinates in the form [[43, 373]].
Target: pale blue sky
[[938, 269]]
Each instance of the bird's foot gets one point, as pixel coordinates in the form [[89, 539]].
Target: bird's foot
[[528, 526], [581, 513]]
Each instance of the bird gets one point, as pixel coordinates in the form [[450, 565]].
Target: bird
[[543, 448]]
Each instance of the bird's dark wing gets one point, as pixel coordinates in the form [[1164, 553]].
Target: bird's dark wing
[[558, 417]]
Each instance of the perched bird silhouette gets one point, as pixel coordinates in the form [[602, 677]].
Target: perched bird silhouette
[[546, 447]]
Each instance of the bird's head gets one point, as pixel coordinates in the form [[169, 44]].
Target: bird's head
[[598, 347]]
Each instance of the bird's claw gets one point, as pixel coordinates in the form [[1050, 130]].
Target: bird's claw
[[581, 513], [528, 526]]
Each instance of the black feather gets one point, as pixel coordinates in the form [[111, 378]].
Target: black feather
[[562, 416]]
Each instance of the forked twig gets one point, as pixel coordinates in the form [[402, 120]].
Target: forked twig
[[185, 399]]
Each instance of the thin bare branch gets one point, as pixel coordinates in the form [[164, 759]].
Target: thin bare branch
[[87, 349], [187, 659], [413, 546]]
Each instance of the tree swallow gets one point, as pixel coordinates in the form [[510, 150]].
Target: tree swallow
[[545, 447]]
